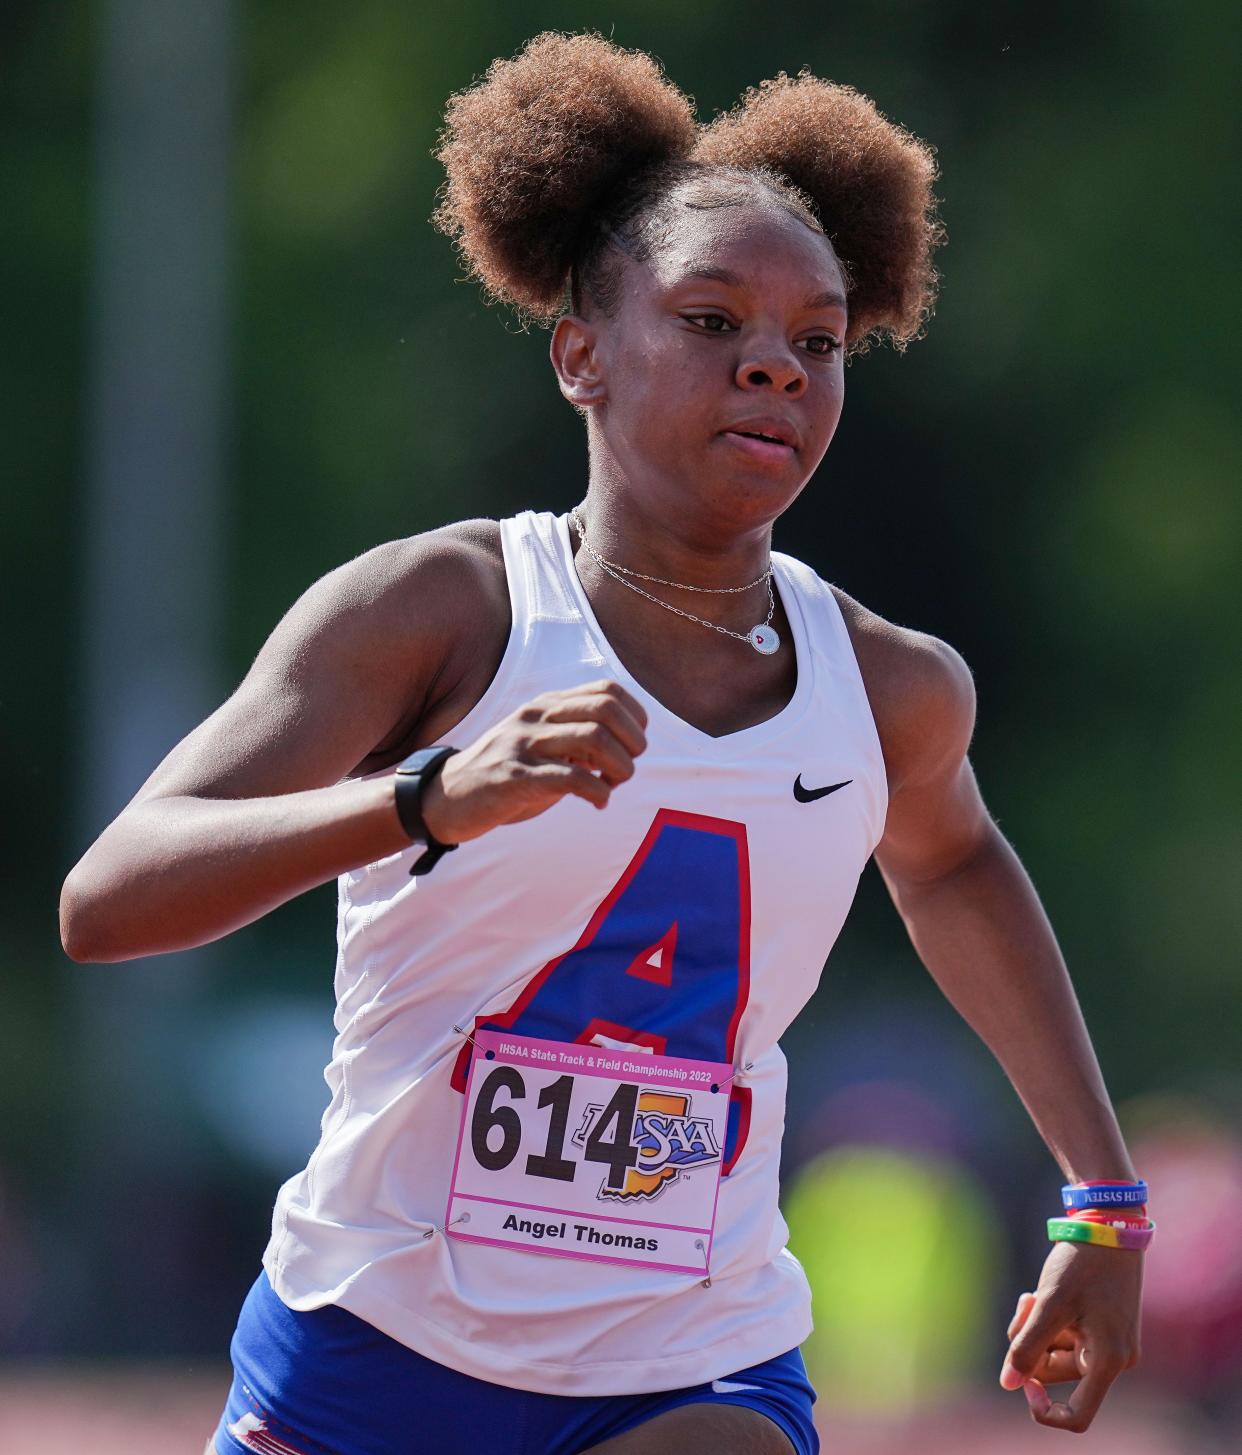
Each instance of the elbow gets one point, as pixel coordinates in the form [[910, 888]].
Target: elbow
[[83, 925]]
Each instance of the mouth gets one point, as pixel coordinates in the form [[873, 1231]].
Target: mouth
[[762, 444]]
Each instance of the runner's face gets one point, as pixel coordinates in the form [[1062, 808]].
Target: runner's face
[[734, 328]]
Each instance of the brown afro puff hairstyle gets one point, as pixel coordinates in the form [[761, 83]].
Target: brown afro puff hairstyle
[[870, 182], [574, 151], [532, 149]]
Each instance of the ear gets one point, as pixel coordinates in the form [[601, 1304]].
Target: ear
[[575, 357]]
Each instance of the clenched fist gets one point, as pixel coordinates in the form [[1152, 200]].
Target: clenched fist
[[580, 740]]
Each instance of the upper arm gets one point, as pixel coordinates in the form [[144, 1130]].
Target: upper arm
[[356, 663], [922, 697]]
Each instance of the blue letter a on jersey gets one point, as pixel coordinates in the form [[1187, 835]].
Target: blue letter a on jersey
[[663, 963]]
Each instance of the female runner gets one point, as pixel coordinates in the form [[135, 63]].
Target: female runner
[[542, 1215]]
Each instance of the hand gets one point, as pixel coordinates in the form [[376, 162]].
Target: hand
[[579, 740], [1081, 1323]]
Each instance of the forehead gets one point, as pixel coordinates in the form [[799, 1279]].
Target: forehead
[[763, 244]]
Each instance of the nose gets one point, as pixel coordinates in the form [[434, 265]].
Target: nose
[[772, 366]]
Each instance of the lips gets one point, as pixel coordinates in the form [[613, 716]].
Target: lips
[[771, 443], [765, 431]]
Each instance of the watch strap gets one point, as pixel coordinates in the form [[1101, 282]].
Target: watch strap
[[412, 777]]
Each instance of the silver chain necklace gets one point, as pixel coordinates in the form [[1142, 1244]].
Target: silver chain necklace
[[763, 637]]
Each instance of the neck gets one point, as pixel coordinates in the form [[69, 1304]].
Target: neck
[[718, 602], [672, 541]]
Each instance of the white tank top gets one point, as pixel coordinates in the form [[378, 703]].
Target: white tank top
[[362, 1225]]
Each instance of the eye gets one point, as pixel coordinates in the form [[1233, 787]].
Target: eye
[[822, 345], [709, 322]]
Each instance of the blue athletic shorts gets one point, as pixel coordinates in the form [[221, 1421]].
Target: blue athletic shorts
[[328, 1383]]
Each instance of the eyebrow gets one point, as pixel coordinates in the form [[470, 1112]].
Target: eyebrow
[[830, 298]]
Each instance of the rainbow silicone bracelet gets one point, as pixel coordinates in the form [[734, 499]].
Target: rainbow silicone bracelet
[[1103, 1194], [1104, 1235], [1131, 1217]]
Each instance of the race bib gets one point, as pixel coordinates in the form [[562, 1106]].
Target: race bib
[[585, 1152]]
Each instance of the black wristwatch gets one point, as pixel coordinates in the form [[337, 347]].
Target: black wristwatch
[[413, 775]]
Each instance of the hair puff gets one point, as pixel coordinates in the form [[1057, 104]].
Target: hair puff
[[533, 147], [869, 179]]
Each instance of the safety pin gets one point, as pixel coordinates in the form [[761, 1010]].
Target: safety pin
[[737, 1071], [462, 1031], [698, 1243], [433, 1230]]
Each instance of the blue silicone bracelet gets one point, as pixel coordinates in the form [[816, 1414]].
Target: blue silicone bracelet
[[1110, 1194]]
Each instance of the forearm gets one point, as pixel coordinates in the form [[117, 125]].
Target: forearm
[[171, 873], [987, 942]]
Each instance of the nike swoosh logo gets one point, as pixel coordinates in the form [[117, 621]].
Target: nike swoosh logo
[[809, 795], [726, 1386]]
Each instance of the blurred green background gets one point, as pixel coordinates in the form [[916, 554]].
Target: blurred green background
[[236, 355]]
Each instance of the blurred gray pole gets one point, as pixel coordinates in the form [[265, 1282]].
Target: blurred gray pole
[[156, 462]]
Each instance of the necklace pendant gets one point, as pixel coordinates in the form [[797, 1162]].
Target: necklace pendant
[[765, 639]]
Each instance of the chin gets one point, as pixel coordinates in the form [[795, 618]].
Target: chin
[[757, 501]]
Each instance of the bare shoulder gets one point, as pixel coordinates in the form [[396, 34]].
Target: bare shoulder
[[381, 655], [435, 607], [438, 591], [435, 571], [921, 691]]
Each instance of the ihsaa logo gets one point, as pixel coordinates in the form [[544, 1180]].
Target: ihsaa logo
[[669, 1142]]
